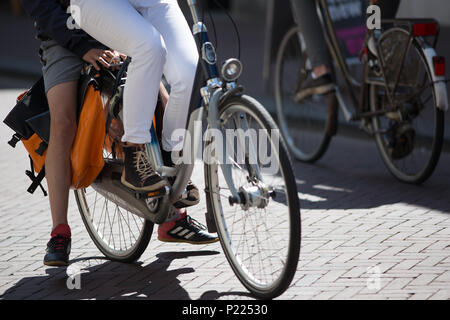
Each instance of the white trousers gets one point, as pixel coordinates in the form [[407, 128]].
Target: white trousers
[[155, 34]]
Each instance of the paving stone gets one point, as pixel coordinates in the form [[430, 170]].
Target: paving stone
[[369, 228]]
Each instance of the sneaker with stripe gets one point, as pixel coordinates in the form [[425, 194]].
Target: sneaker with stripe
[[185, 229]]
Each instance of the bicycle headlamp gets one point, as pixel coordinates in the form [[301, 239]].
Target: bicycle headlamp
[[231, 70]]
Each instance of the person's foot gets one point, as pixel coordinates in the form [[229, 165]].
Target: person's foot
[[192, 195], [58, 248], [138, 173], [185, 229], [190, 198], [321, 85]]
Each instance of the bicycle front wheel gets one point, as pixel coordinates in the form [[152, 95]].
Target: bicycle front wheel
[[307, 126], [260, 231]]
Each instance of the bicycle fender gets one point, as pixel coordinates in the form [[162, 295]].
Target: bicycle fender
[[439, 82], [214, 123], [237, 91]]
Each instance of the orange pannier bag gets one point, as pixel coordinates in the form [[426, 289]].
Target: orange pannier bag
[[30, 120], [87, 150]]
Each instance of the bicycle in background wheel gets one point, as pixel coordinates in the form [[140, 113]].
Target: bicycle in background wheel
[[399, 101], [251, 192]]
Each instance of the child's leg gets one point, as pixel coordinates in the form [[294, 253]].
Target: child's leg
[[62, 101], [61, 70]]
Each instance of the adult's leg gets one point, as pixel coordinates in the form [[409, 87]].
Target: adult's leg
[[388, 8], [118, 25], [306, 17], [62, 102], [320, 82], [179, 69]]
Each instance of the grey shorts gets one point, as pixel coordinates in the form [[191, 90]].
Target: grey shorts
[[59, 64]]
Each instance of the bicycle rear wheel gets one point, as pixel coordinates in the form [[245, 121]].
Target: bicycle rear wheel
[[410, 137], [307, 126], [260, 236], [117, 232]]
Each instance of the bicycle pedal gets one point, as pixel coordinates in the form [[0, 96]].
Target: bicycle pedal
[[152, 194]]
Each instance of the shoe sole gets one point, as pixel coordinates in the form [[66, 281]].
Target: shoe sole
[[153, 187], [56, 263], [314, 91], [180, 204], [187, 241]]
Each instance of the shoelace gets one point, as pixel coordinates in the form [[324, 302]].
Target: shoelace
[[57, 243], [143, 165]]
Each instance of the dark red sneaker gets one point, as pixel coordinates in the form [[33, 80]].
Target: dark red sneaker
[[58, 248], [186, 230]]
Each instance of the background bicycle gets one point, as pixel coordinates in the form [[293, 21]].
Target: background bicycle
[[398, 95]]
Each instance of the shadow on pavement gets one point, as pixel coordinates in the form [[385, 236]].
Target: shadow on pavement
[[99, 278], [352, 176], [235, 295]]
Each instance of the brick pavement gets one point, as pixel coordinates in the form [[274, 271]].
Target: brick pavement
[[365, 236]]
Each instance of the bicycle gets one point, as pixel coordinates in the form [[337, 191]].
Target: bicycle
[[252, 205], [402, 83]]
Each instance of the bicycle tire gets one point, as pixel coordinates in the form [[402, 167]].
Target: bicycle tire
[[325, 124], [127, 256], [236, 259], [437, 135]]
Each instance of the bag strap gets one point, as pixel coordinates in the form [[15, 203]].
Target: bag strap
[[15, 138], [36, 180], [41, 149]]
